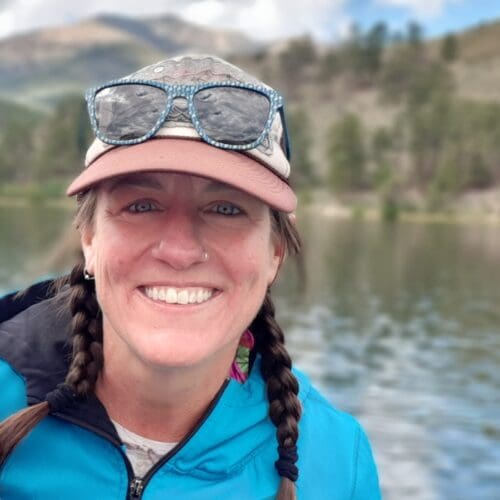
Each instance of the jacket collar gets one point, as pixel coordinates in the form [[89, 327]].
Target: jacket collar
[[36, 343]]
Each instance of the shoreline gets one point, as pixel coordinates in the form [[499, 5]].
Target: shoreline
[[471, 207], [336, 211], [28, 201]]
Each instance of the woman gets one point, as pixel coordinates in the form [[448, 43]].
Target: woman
[[177, 383]]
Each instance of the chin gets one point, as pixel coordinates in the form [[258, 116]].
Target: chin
[[167, 352]]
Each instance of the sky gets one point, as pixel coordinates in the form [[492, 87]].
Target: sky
[[266, 20]]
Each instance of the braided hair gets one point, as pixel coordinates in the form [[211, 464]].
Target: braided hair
[[276, 364], [87, 357], [282, 390], [86, 360], [87, 342]]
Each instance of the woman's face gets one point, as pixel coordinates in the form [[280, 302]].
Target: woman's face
[[162, 301]]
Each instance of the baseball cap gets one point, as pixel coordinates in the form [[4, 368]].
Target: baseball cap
[[262, 171]]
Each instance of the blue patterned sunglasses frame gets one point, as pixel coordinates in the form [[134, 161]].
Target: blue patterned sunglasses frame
[[276, 104]]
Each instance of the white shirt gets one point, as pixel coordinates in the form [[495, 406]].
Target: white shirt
[[143, 453]]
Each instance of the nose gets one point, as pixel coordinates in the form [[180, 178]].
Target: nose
[[179, 241]]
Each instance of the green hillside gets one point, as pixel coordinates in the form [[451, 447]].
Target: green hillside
[[41, 65], [17, 141], [409, 122]]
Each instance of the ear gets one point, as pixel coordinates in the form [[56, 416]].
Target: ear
[[277, 259], [88, 248]]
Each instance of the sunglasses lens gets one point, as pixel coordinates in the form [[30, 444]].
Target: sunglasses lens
[[232, 115], [125, 112]]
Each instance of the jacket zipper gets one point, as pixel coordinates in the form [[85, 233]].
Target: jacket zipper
[[134, 484], [137, 485]]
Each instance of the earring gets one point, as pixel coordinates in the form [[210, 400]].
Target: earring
[[205, 256], [87, 275]]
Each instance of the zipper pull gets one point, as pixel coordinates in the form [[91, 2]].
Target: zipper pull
[[136, 487]]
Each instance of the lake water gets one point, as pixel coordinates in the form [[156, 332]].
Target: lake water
[[397, 324]]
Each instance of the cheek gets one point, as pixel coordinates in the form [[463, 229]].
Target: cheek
[[113, 257], [248, 259]]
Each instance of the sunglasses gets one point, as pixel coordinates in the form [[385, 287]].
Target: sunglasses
[[228, 115]]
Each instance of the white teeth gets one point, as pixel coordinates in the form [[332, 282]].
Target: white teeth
[[183, 297], [171, 296], [178, 295]]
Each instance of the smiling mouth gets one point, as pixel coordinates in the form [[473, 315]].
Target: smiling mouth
[[172, 295]]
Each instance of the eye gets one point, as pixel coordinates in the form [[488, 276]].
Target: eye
[[142, 207], [226, 209]]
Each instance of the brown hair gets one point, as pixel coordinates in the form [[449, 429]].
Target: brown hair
[[86, 361]]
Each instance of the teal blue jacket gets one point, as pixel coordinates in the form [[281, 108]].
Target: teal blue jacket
[[75, 453]]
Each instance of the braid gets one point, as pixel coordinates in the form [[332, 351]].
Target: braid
[[87, 334], [18, 425], [85, 365], [282, 390]]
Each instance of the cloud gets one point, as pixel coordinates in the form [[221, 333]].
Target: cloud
[[4, 4], [420, 8], [272, 19], [261, 19]]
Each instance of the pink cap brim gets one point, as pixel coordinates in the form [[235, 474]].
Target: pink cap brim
[[191, 157]]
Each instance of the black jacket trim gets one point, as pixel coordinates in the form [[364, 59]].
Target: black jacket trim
[[36, 343]]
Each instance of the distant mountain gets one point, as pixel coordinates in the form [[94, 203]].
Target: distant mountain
[[322, 85], [43, 64]]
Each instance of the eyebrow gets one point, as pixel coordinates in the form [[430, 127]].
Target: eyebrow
[[137, 181], [217, 186], [146, 181]]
